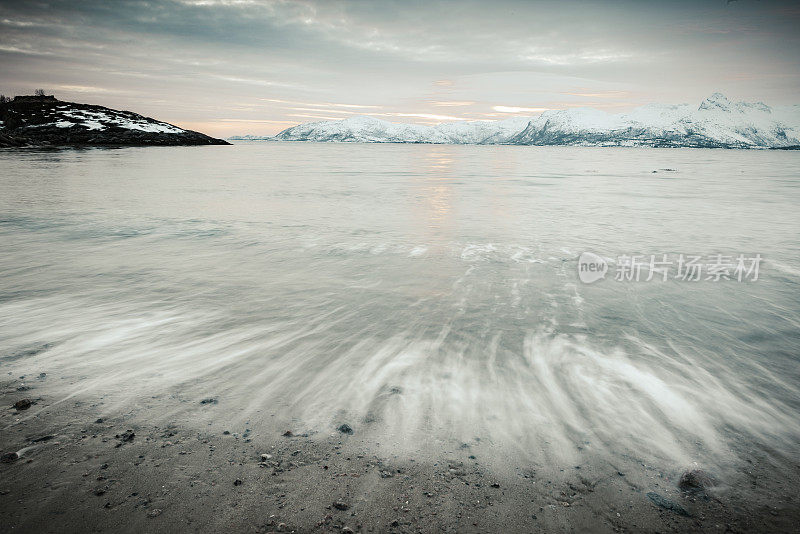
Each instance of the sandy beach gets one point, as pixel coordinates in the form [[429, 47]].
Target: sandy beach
[[81, 468]]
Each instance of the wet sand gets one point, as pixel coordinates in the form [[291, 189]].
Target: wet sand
[[83, 470]]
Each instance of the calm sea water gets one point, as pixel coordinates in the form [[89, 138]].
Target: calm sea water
[[427, 295]]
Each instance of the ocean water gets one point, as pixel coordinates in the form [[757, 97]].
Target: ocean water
[[426, 295]]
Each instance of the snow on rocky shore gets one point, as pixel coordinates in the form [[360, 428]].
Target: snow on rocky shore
[[47, 121]]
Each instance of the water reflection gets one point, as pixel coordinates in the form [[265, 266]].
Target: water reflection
[[427, 294]]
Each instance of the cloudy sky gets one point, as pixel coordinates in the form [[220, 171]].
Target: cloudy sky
[[227, 67]]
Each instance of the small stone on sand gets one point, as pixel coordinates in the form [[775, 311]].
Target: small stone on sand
[[23, 404], [9, 457]]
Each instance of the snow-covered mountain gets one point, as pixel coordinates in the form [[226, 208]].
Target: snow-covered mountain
[[370, 130], [45, 120], [483, 132], [717, 122], [251, 137]]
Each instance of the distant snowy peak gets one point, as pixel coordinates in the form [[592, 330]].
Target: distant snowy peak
[[716, 122], [720, 102], [371, 130], [250, 137], [362, 129], [716, 101]]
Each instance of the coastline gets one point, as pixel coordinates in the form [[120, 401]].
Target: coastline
[[82, 468]]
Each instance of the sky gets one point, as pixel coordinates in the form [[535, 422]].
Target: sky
[[227, 67]]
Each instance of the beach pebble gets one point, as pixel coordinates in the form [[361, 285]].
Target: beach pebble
[[696, 480], [125, 437], [345, 429], [128, 435], [9, 457], [340, 505], [23, 404]]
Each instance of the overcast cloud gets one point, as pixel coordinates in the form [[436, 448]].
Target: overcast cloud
[[257, 66]]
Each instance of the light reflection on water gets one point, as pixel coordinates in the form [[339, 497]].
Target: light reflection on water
[[422, 293]]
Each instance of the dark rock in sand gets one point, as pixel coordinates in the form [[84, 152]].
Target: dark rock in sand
[[339, 505], [9, 457], [696, 480], [210, 400], [345, 429], [667, 504], [125, 437], [43, 438], [237, 482], [98, 421], [288, 434], [23, 404]]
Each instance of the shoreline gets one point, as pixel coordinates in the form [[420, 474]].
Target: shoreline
[[81, 469]]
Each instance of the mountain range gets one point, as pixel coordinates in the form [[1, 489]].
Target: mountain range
[[716, 123]]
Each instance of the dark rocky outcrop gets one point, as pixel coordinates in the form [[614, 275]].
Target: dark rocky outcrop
[[40, 121]]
